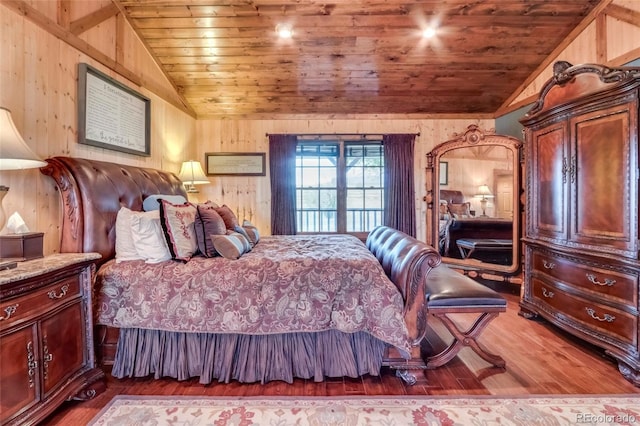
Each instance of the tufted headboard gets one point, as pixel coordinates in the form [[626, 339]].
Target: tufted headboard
[[451, 196], [93, 191]]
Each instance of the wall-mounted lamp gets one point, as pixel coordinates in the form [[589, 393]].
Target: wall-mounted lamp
[[15, 154], [191, 174], [484, 193]]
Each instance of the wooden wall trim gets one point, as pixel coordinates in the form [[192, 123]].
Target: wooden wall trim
[[91, 20], [22, 8], [623, 14], [161, 68], [601, 38]]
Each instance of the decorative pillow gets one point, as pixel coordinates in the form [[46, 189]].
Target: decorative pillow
[[148, 237], [178, 224], [125, 249], [210, 203], [246, 243], [252, 232], [444, 211], [152, 202], [229, 246], [208, 222], [230, 219], [460, 210]]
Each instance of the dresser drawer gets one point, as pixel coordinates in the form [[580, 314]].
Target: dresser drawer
[[15, 310], [621, 286], [603, 319]]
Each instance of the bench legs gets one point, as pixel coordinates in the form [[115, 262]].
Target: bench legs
[[464, 338]]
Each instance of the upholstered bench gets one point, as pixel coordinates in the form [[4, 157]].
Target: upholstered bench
[[449, 292]]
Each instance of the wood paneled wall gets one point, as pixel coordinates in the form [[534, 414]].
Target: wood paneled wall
[[38, 83], [249, 196], [621, 45], [38, 80]]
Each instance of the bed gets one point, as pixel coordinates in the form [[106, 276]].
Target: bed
[[293, 307]]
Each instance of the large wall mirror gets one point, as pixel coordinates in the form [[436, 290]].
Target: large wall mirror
[[474, 214]]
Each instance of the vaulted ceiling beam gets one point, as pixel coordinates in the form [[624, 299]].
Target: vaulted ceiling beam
[[91, 20]]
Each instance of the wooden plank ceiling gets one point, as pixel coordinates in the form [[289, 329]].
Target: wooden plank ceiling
[[350, 57]]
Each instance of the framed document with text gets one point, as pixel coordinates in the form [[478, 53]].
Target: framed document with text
[[112, 115], [235, 163]]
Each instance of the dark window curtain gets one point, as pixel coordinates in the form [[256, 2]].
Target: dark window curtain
[[282, 166], [399, 200]]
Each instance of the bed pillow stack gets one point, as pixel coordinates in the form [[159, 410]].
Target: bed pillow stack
[[172, 228]]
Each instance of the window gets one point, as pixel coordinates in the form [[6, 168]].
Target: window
[[339, 186]]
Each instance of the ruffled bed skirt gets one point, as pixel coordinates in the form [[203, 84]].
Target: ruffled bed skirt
[[246, 358]]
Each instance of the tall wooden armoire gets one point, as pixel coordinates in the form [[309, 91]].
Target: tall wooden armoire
[[582, 268]]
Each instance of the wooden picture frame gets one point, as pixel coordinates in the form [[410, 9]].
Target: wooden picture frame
[[112, 115], [235, 163], [444, 173]]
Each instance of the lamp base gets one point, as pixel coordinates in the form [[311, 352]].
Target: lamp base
[[191, 189], [3, 217]]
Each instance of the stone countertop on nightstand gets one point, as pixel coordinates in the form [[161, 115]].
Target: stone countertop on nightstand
[[31, 268]]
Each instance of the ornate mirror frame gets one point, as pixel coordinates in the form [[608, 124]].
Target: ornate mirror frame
[[482, 141]]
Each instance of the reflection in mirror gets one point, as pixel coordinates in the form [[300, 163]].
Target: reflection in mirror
[[474, 215]]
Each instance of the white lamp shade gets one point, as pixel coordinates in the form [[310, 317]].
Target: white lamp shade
[[191, 173], [483, 190], [15, 154]]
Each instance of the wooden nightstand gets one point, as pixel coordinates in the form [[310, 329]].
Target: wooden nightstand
[[46, 336]]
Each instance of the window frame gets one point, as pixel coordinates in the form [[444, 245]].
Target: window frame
[[341, 184]]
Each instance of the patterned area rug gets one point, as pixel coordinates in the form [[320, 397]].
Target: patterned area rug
[[388, 411]]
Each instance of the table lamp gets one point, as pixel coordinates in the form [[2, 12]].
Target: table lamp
[[15, 154], [484, 193], [191, 174]]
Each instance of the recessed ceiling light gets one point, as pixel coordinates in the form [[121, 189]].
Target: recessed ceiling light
[[428, 32], [284, 31]]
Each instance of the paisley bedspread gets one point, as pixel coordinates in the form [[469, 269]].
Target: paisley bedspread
[[299, 283]]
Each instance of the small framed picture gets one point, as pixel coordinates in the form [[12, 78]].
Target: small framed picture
[[235, 163], [444, 173]]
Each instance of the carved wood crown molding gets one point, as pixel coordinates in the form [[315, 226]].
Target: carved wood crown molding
[[473, 134], [564, 72]]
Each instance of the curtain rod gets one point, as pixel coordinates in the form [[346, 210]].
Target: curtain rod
[[343, 134]]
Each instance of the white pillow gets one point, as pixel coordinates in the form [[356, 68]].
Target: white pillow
[[148, 237], [125, 249]]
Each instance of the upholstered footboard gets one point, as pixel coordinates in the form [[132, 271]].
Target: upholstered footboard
[[407, 262]]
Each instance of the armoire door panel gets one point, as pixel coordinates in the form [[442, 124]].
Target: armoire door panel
[[550, 188], [600, 195]]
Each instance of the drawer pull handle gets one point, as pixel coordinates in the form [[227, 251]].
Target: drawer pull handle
[[63, 292], [607, 317], [48, 357], [548, 265], [10, 310], [547, 293], [32, 364], [607, 281]]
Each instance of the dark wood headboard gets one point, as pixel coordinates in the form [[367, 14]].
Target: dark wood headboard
[[451, 196], [93, 191]]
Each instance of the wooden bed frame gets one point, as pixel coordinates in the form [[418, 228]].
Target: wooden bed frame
[[92, 192]]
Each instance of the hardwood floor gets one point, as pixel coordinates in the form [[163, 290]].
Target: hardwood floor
[[540, 358]]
